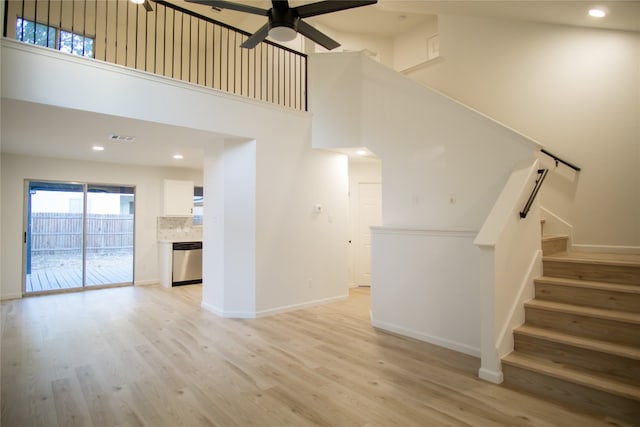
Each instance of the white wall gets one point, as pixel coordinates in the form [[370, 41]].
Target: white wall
[[425, 285], [576, 91], [311, 255], [380, 48], [411, 48], [147, 180], [431, 147], [289, 175], [443, 167]]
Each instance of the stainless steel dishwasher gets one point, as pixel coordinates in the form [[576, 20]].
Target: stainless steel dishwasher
[[187, 263]]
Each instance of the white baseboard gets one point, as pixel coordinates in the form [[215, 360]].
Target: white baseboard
[[607, 249], [228, 314], [285, 308], [270, 311], [7, 297], [146, 282], [442, 342], [495, 377]]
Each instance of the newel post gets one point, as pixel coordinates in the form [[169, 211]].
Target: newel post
[[490, 366]]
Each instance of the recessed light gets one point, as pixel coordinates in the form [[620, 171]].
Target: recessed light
[[98, 148], [361, 152], [597, 13], [178, 156], [137, 1]]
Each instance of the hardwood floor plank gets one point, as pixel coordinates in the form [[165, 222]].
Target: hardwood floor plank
[[149, 356], [69, 411], [97, 401]]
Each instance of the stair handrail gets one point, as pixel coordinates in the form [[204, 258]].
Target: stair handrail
[[559, 160], [542, 174]]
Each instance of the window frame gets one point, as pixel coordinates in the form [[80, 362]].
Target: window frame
[[57, 42]]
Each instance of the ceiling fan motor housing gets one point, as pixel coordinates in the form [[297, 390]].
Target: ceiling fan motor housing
[[286, 22], [283, 17]]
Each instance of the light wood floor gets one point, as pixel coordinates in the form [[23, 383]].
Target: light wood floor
[[148, 356]]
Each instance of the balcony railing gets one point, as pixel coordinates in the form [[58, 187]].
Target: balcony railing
[[168, 40]]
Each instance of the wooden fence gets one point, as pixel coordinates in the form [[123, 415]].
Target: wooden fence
[[57, 233]]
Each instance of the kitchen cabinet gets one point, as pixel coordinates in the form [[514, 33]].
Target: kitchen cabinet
[[178, 198]]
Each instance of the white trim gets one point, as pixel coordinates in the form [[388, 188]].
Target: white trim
[[556, 225], [606, 248], [228, 314], [146, 282], [495, 377], [270, 311], [451, 345], [7, 297], [421, 65], [285, 308], [434, 232]]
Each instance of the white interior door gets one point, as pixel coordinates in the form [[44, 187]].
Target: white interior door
[[369, 214]]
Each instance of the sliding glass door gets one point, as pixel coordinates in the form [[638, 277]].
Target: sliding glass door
[[109, 235], [77, 235], [53, 237]]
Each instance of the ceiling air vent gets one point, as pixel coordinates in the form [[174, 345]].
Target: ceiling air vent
[[121, 138]]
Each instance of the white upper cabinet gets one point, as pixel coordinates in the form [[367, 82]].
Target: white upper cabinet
[[178, 198]]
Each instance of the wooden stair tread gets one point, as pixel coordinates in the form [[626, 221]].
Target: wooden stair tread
[[631, 260], [569, 374], [578, 283], [621, 350], [615, 315]]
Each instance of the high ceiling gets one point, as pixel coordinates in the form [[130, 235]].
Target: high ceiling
[[392, 17], [155, 144]]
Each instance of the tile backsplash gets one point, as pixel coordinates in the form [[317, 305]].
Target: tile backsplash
[[178, 228]]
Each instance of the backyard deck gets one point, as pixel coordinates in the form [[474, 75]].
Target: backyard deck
[[55, 279]]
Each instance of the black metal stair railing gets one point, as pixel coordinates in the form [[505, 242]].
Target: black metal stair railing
[[168, 40], [542, 174]]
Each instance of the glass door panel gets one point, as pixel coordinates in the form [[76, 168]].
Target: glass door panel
[[54, 236], [109, 235]]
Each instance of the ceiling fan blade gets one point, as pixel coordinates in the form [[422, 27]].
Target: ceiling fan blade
[[328, 6], [222, 4], [311, 33], [147, 6], [257, 37]]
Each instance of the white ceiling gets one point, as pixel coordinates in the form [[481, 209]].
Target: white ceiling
[[156, 143], [392, 17], [71, 134]]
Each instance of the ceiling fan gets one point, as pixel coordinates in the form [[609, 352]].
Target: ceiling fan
[[284, 22]]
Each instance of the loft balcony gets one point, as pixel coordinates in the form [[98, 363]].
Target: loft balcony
[[164, 39]]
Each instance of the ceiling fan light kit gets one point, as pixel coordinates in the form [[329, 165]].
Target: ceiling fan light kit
[[285, 22]]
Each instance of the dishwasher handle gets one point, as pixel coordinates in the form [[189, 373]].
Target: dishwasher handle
[[186, 246]]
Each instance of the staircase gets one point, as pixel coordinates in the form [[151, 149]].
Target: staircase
[[580, 343]]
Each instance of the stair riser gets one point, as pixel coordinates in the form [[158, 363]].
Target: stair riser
[[629, 275], [597, 298], [603, 329], [624, 369], [554, 246], [577, 396]]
